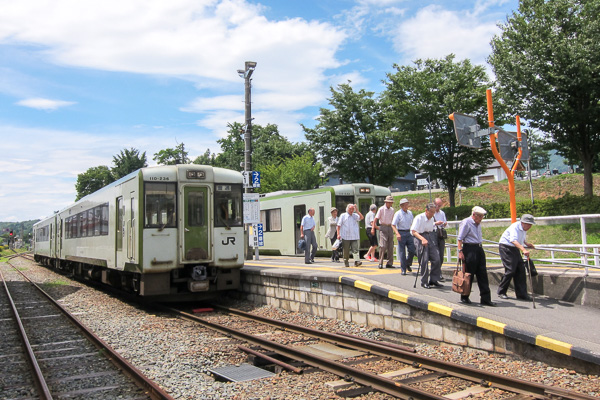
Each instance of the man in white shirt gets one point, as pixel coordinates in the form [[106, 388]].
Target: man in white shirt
[[512, 243], [423, 231], [349, 231], [384, 216], [307, 228], [405, 249], [440, 223]]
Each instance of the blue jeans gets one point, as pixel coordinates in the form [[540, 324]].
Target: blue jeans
[[405, 250]]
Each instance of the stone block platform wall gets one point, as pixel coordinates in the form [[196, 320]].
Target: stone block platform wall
[[404, 318]]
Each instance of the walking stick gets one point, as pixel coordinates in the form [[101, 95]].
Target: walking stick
[[527, 264], [419, 261]]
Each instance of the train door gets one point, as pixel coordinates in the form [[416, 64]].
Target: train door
[[363, 205], [120, 255], [131, 231], [59, 238], [196, 223], [51, 250], [320, 228], [299, 213]]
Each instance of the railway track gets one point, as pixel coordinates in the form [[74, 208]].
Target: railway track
[[409, 376], [46, 353]]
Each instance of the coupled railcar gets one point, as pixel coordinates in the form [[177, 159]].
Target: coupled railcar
[[281, 214], [167, 232]]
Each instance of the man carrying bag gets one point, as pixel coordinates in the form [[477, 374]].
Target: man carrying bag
[[470, 251]]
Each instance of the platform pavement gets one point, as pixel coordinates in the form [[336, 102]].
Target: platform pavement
[[557, 325]]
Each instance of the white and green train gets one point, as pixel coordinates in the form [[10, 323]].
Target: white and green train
[[281, 214], [170, 232]]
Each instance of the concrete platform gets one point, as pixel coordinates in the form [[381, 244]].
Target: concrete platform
[[554, 325]]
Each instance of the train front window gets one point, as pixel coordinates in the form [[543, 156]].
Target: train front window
[[160, 201], [228, 205], [341, 202]]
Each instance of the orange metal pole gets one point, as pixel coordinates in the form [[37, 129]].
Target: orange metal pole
[[509, 175], [519, 137]]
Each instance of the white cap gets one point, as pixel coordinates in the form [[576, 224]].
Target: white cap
[[479, 210]]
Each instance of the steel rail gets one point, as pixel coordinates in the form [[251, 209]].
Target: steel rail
[[379, 383], [38, 377], [154, 391], [464, 372]]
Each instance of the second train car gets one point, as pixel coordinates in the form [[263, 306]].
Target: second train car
[[281, 214]]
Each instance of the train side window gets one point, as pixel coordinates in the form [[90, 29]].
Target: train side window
[[68, 228], [159, 205], [322, 215], [271, 220], [104, 219], [195, 210], [83, 224], [91, 222], [228, 205]]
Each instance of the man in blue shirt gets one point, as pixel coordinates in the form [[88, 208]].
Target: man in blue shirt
[[470, 251], [307, 232]]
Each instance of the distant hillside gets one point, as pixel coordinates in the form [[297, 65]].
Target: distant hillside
[[497, 192], [20, 229]]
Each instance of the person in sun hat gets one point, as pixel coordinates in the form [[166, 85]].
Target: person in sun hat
[[371, 233], [384, 216], [425, 238], [470, 250], [332, 233], [512, 242], [405, 249]]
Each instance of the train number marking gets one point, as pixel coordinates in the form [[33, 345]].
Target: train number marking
[[159, 178], [228, 240]]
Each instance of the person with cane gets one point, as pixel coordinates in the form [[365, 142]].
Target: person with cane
[[424, 234], [512, 243]]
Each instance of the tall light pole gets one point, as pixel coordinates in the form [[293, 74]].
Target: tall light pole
[[246, 73]]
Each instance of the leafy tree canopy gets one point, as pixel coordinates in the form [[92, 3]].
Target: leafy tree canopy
[[300, 172], [546, 61], [355, 141], [127, 161], [419, 100], [175, 156], [93, 179]]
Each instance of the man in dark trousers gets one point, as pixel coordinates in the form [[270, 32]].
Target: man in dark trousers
[[470, 251], [307, 232], [512, 243]]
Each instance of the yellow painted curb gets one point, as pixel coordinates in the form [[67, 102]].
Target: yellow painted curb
[[362, 285], [553, 344], [440, 309], [491, 325], [398, 296]]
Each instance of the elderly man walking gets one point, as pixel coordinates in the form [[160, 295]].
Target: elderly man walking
[[307, 228], [512, 243], [385, 215], [470, 251], [440, 223], [349, 231], [424, 235], [405, 249]]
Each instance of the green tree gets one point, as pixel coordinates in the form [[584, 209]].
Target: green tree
[[539, 149], [127, 161], [207, 158], [295, 173], [419, 100], [169, 156], [268, 147], [93, 179], [353, 139], [546, 60]]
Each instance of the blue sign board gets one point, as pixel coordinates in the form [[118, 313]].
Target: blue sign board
[[259, 231], [255, 179]]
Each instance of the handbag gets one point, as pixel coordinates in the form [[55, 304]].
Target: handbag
[[302, 245], [441, 232], [336, 245], [530, 267], [461, 280]]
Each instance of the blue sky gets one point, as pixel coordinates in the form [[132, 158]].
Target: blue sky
[[81, 80]]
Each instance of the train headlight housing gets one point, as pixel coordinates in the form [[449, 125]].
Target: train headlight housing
[[198, 286]]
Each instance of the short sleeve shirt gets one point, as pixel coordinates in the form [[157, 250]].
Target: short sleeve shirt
[[385, 215], [514, 232], [403, 220], [422, 224], [348, 224], [469, 232], [308, 222]]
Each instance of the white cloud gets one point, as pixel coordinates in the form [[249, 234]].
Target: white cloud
[[435, 32], [44, 104]]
